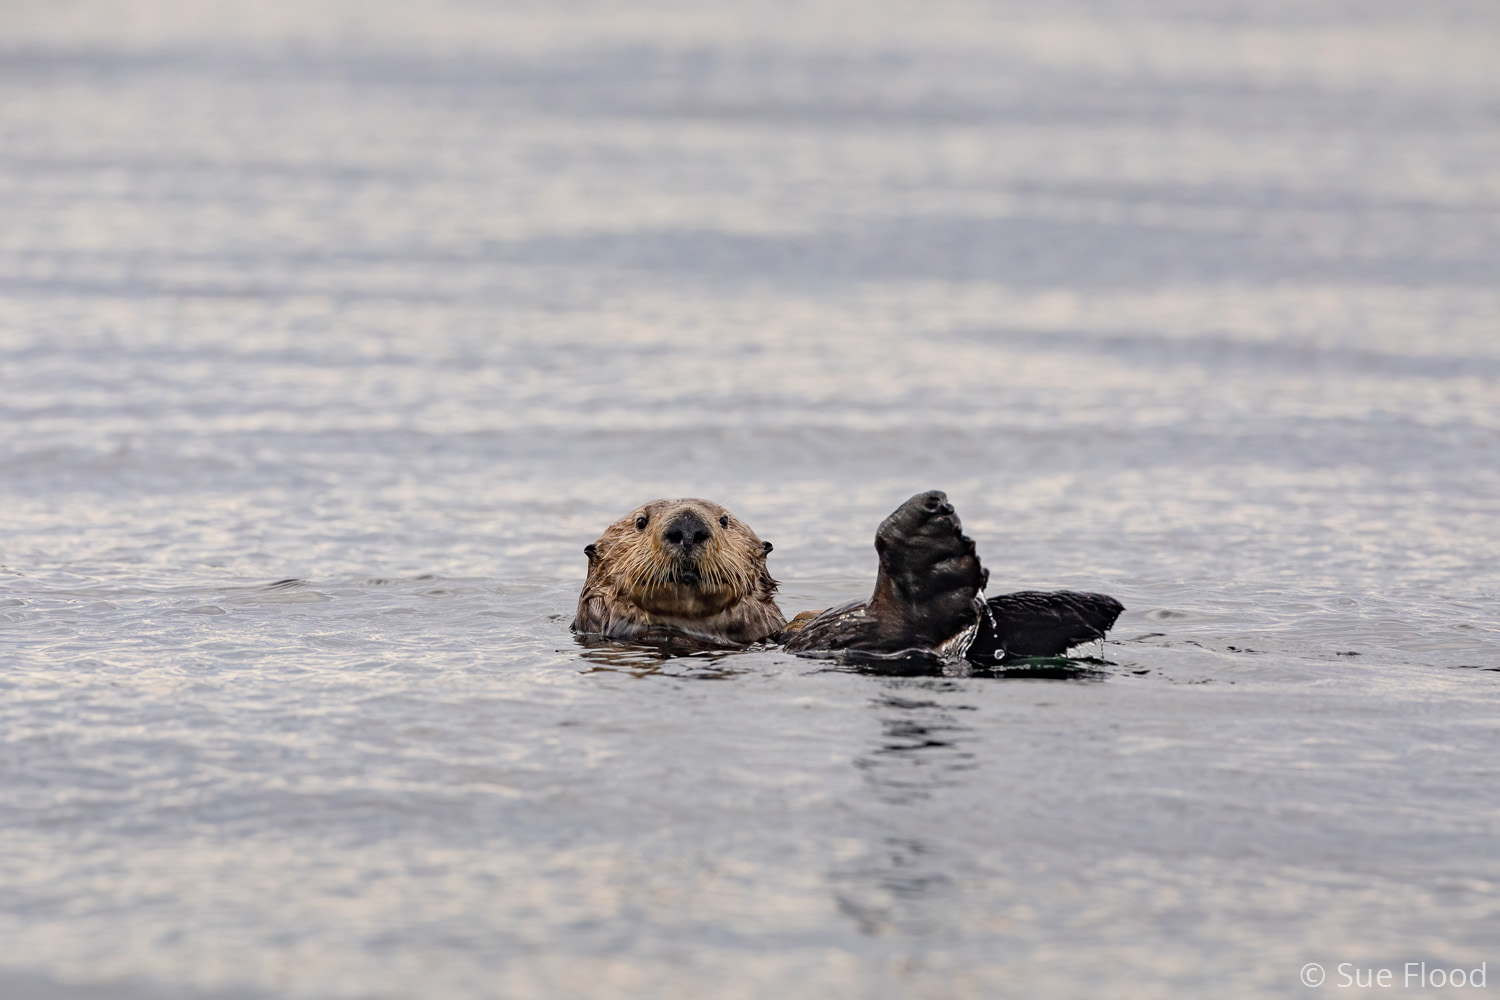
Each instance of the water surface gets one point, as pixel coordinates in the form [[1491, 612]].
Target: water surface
[[329, 336]]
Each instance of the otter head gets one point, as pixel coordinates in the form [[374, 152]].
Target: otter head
[[687, 564], [930, 578]]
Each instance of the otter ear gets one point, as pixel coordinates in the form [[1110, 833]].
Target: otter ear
[[592, 551], [768, 547]]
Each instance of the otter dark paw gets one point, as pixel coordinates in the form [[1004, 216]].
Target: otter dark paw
[[926, 594]]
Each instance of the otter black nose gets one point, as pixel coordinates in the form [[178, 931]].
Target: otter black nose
[[687, 531], [679, 537]]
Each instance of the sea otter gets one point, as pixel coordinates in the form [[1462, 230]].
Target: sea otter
[[679, 569], [687, 572]]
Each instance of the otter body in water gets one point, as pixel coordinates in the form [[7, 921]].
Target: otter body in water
[[677, 572], [679, 569]]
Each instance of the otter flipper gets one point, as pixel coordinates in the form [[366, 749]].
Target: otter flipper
[[1037, 623]]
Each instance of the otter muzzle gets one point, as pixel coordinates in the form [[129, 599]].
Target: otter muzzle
[[685, 533]]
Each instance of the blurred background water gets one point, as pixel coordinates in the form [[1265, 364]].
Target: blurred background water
[[330, 332]]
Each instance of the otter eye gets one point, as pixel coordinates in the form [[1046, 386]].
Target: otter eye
[[723, 520], [640, 522]]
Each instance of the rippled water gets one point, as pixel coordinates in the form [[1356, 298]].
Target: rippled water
[[330, 334]]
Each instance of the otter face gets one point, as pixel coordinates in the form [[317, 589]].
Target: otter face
[[680, 559]]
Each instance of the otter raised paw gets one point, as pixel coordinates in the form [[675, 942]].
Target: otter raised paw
[[927, 598], [679, 570]]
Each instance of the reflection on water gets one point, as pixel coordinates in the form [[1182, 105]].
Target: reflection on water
[[1055, 668], [651, 657], [1062, 668], [896, 890], [642, 659], [900, 884], [921, 742]]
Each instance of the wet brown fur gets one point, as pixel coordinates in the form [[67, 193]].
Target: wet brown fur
[[641, 586]]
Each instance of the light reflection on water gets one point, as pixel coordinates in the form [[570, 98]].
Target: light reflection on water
[[330, 336]]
